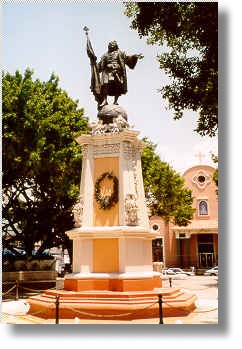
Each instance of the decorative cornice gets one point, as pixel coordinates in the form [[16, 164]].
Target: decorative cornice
[[195, 230], [110, 148], [126, 135], [111, 232]]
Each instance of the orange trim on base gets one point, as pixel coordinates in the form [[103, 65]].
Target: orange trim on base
[[121, 285], [108, 305]]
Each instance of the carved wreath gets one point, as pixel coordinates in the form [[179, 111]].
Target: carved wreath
[[106, 201]]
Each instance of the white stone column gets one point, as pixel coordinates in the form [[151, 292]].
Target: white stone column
[[131, 179], [82, 255], [143, 212], [87, 186], [126, 177], [135, 255]]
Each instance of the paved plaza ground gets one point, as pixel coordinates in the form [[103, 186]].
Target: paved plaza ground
[[205, 287]]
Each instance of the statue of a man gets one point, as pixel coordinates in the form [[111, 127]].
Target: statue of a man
[[108, 77], [113, 72]]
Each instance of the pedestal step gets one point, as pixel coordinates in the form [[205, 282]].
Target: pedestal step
[[112, 305], [118, 282]]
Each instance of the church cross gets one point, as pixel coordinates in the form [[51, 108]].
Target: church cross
[[200, 156]]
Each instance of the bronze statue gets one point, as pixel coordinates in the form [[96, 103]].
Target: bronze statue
[[108, 77]]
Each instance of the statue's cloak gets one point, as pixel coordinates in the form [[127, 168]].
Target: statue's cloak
[[116, 82]]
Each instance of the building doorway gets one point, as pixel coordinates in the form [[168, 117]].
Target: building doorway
[[157, 249], [206, 258]]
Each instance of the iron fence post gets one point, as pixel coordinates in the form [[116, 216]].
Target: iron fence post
[[57, 302], [160, 308], [17, 290]]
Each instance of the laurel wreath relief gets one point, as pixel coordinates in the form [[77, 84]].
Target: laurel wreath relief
[[104, 200]]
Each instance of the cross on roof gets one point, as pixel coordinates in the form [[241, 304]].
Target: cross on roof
[[200, 156]]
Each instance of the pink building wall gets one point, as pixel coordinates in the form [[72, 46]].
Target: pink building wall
[[200, 180]]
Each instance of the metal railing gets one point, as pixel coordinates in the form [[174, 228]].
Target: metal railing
[[17, 290]]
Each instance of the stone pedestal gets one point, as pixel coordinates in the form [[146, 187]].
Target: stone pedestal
[[113, 275], [112, 247]]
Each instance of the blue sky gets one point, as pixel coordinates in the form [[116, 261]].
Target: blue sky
[[48, 37]]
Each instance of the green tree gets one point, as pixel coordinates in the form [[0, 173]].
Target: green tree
[[215, 175], [189, 32], [165, 192], [41, 160]]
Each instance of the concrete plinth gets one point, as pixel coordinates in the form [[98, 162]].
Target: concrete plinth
[[108, 305], [112, 268], [121, 282]]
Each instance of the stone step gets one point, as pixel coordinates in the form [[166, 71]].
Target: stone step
[[110, 305]]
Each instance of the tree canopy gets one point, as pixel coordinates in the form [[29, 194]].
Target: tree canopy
[[189, 31], [41, 160], [42, 165], [164, 188], [215, 175]]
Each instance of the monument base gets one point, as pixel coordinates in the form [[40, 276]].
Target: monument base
[[112, 305], [121, 282]]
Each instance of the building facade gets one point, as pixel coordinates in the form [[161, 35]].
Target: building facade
[[197, 243]]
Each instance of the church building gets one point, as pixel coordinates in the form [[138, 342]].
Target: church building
[[197, 243]]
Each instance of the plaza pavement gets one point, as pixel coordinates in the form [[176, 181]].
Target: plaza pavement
[[205, 287]]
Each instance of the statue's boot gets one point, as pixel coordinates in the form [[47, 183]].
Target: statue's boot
[[116, 100], [105, 102]]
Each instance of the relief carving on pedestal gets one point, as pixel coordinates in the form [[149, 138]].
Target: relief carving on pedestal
[[134, 163], [84, 151], [104, 149], [78, 211], [131, 210], [107, 190], [118, 124], [128, 150]]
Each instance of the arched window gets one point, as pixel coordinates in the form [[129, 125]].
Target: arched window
[[203, 208]]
